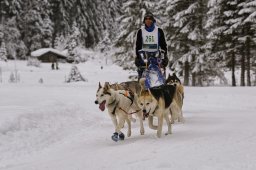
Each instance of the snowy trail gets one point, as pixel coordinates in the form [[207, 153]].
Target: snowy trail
[[60, 127], [68, 137]]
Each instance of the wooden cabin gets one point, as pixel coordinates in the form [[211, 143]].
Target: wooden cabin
[[49, 55]]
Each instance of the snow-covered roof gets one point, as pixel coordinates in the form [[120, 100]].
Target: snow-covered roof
[[42, 51]]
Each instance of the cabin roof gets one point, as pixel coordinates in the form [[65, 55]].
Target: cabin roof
[[43, 51]]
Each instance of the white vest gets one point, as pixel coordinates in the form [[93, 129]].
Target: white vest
[[149, 40]]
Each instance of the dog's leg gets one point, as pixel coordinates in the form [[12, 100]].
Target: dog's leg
[[181, 118], [150, 123], [168, 122], [172, 117], [160, 125], [114, 120], [120, 124], [129, 127], [131, 118], [140, 115]]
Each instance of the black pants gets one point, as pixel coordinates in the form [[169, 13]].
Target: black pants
[[140, 72]]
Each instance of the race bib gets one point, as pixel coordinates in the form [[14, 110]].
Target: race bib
[[150, 40]]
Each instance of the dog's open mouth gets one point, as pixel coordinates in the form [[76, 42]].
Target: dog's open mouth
[[146, 114], [102, 105]]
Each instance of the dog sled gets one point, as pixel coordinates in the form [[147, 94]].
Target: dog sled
[[153, 72]]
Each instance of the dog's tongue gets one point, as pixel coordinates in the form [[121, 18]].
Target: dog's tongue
[[102, 106]]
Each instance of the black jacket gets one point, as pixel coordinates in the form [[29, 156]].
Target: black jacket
[[162, 45]]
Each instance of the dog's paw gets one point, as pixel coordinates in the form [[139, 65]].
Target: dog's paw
[[121, 136], [167, 133], [129, 133], [142, 132], [181, 120], [159, 135], [115, 137]]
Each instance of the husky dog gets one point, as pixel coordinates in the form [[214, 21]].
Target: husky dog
[[176, 107], [157, 101], [175, 80], [119, 103], [134, 86]]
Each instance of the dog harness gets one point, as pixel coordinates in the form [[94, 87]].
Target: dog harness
[[126, 95]]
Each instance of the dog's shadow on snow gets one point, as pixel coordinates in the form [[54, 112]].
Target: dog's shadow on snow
[[137, 138], [194, 127]]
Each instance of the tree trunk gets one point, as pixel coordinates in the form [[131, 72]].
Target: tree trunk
[[233, 64], [186, 74], [193, 74], [248, 68], [242, 80]]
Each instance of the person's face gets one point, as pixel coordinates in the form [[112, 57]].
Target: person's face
[[148, 21]]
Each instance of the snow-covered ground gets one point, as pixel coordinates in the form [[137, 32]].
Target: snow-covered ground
[[57, 126]]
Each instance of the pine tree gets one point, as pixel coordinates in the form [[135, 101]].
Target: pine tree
[[247, 13], [61, 17], [130, 21], [3, 52], [238, 30], [60, 43], [32, 22], [215, 47], [75, 75], [189, 37], [12, 37], [47, 32], [73, 44]]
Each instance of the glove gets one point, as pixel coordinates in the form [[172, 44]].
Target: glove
[[139, 62]]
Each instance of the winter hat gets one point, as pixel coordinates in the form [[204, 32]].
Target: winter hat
[[149, 15]]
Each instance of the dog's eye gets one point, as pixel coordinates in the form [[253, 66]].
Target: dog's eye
[[102, 95], [141, 104], [148, 103]]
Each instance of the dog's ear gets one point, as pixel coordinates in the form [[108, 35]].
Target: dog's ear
[[175, 76], [100, 85], [107, 85]]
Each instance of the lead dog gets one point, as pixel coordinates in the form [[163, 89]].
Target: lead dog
[[132, 86], [119, 103], [157, 101]]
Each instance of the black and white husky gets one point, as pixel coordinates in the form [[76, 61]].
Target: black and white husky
[[120, 104], [176, 109], [156, 102]]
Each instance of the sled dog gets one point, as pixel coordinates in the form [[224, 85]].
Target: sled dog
[[119, 104], [173, 79], [134, 86], [156, 101], [176, 108]]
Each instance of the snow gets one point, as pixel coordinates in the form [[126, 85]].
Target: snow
[[56, 125]]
